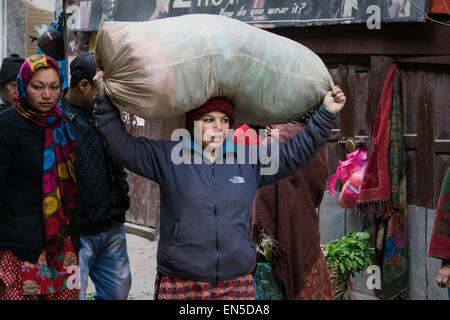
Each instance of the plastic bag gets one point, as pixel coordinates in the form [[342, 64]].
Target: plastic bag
[[163, 68], [51, 40], [267, 287], [351, 172]]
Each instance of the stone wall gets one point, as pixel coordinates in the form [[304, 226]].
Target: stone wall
[[15, 27]]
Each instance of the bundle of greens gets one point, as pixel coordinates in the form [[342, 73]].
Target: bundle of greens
[[351, 254]]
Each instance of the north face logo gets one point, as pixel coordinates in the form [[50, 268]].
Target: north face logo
[[237, 179]]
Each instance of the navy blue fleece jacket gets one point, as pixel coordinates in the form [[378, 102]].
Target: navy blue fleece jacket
[[205, 208]]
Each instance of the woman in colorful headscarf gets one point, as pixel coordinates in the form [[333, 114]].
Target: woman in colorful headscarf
[[38, 259]]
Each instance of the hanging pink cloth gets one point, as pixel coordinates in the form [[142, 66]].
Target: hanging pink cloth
[[351, 173]]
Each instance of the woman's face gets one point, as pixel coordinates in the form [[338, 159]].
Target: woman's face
[[44, 89], [214, 128]]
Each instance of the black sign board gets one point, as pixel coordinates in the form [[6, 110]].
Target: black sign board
[[90, 14]]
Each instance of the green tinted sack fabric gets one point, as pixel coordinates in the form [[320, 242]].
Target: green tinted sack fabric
[[163, 68]]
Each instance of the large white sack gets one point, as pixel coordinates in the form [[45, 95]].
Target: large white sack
[[163, 68]]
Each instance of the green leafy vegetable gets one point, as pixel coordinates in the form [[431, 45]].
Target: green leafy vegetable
[[351, 253]]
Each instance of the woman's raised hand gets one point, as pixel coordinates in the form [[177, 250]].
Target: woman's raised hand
[[98, 81], [335, 100]]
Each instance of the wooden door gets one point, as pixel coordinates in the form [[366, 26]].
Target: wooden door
[[144, 194]]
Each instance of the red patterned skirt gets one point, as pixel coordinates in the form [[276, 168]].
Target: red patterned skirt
[[19, 282], [170, 288], [318, 285]]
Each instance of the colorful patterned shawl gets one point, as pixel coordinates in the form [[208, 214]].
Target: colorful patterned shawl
[[382, 199], [58, 184], [440, 238]]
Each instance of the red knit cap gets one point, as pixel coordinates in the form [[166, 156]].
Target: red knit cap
[[213, 104]]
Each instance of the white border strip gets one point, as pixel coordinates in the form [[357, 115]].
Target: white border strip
[[3, 29], [303, 21]]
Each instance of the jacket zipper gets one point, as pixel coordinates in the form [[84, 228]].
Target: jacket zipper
[[217, 224]]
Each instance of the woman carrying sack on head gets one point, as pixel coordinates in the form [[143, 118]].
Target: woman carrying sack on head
[[205, 249], [38, 260]]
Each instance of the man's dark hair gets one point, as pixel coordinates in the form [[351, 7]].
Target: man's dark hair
[[75, 81]]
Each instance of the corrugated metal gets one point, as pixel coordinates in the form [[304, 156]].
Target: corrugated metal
[[34, 17]]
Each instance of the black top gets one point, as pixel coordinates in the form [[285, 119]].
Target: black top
[[102, 185], [21, 168]]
